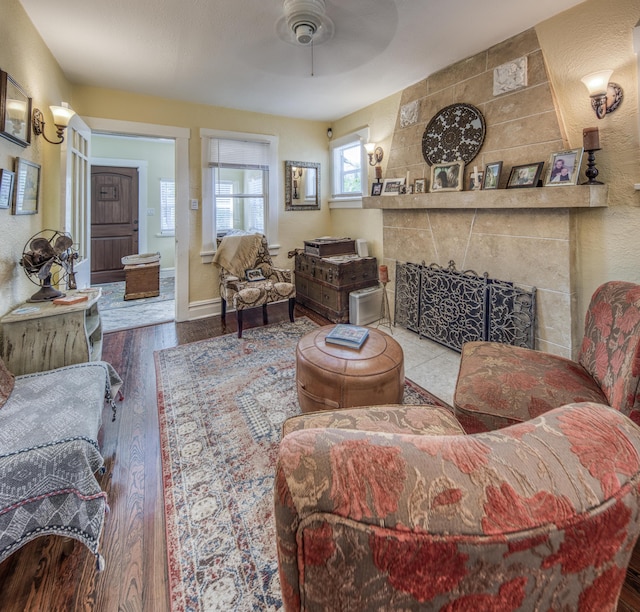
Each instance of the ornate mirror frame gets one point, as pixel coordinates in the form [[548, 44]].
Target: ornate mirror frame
[[301, 185]]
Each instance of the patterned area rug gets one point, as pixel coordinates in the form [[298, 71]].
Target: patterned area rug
[[222, 403], [117, 313]]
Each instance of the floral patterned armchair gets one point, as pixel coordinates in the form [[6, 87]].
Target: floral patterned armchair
[[241, 252], [395, 508], [499, 384]]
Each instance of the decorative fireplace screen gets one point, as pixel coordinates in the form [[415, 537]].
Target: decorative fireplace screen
[[453, 307]]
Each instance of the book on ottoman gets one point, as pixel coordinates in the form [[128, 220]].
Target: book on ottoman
[[351, 336]]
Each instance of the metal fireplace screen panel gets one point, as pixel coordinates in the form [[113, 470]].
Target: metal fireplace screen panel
[[453, 307], [511, 314], [407, 296]]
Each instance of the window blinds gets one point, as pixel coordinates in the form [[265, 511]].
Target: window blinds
[[226, 153]]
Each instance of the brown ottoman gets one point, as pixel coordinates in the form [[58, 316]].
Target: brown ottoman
[[330, 376]]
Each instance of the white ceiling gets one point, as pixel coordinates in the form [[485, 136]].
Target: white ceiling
[[227, 53]]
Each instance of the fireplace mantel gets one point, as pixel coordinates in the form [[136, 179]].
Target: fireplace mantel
[[575, 196]]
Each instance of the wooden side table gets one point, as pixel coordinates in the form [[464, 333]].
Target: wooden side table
[[43, 336]]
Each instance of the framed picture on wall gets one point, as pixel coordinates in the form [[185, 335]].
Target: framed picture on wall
[[27, 187], [6, 187], [447, 176], [564, 167], [526, 175], [392, 186], [15, 111], [491, 178]]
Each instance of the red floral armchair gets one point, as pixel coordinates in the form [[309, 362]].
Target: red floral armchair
[[395, 508], [499, 384]]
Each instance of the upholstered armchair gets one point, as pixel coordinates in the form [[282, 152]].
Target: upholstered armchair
[[499, 384], [235, 255], [394, 508]]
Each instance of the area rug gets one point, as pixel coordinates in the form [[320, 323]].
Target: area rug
[[221, 405], [113, 295], [117, 314]]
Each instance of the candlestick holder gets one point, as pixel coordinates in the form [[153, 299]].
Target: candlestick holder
[[385, 312], [591, 170]]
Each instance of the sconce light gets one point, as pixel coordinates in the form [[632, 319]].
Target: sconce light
[[375, 153], [61, 116], [329, 133], [296, 172], [605, 96]]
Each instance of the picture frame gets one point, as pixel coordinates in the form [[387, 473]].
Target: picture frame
[[525, 175], [419, 185], [492, 173], [6, 187], [392, 186], [564, 168], [254, 274], [473, 186], [376, 189], [27, 187], [447, 176], [15, 111]]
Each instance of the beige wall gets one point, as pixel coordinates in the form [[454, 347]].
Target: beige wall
[[24, 56]]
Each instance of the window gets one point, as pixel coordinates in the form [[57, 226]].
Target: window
[[348, 165], [167, 206], [239, 181]]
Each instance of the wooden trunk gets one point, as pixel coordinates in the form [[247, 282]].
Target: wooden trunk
[[324, 284], [142, 281]]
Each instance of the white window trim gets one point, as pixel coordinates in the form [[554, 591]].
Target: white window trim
[[271, 222], [350, 201]]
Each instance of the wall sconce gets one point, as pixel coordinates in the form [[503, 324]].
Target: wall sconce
[[329, 133], [61, 116], [375, 157], [605, 96], [375, 153]]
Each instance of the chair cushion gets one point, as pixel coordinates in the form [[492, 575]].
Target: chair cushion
[[393, 418], [499, 385]]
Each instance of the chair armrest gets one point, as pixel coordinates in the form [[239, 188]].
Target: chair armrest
[[366, 516], [282, 275]]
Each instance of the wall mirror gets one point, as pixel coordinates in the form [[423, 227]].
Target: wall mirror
[[301, 185]]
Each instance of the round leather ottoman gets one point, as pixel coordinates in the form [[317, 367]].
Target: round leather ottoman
[[330, 376]]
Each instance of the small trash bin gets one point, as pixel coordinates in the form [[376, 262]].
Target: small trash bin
[[141, 275]]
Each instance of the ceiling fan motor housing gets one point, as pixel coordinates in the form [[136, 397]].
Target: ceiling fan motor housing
[[304, 17]]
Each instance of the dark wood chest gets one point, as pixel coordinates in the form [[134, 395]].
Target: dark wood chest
[[324, 283]]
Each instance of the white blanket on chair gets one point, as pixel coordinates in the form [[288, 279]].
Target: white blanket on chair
[[238, 253]]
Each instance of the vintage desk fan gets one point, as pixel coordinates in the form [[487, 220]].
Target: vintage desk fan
[[48, 255]]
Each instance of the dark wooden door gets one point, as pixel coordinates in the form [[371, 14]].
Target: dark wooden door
[[114, 221]]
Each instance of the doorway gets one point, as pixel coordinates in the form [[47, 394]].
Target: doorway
[[114, 221]]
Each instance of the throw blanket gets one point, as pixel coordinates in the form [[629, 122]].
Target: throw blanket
[[238, 253], [49, 454]]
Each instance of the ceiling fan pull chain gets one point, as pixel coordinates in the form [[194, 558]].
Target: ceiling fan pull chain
[[312, 57]]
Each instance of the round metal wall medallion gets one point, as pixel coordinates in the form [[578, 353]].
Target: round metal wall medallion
[[454, 133]]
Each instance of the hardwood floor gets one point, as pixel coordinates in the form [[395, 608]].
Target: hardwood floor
[[58, 574]]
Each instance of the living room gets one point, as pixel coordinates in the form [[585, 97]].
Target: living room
[[595, 244]]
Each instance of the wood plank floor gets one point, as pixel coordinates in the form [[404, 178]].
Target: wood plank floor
[[58, 574]]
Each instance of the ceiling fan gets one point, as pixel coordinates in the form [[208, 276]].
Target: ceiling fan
[[305, 22]]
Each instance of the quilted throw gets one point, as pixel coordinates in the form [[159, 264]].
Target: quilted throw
[[49, 454]]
